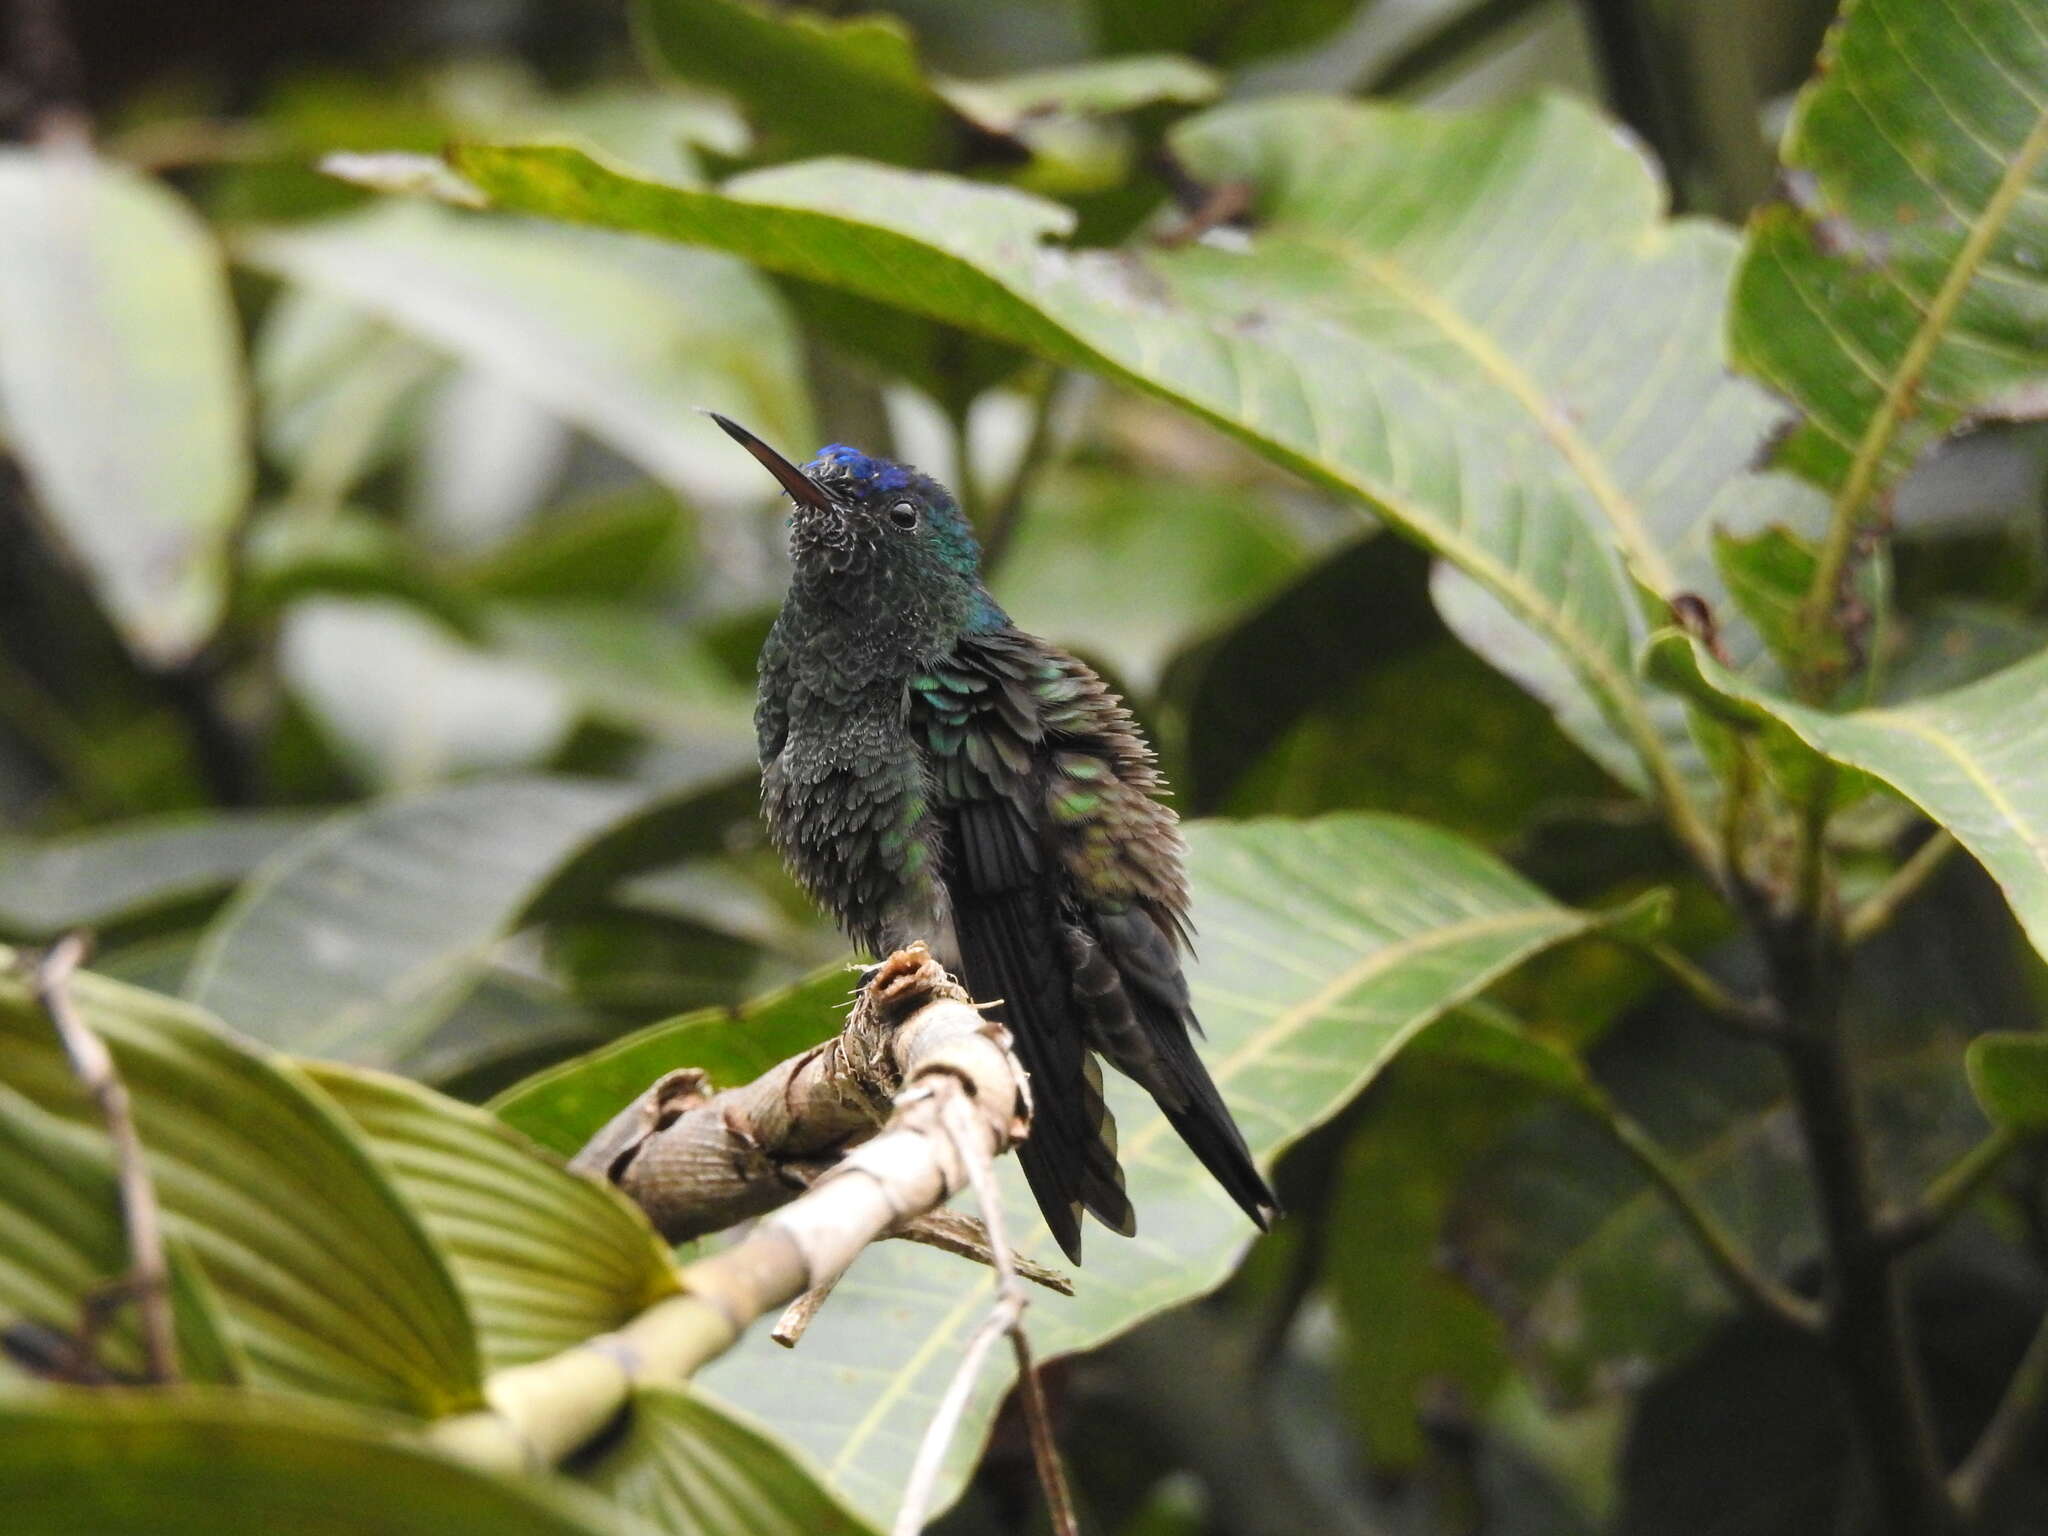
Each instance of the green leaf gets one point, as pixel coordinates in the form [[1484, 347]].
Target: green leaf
[[1226, 31], [1453, 359], [405, 703], [2009, 1075], [694, 1470], [1974, 759], [622, 338], [1092, 88], [121, 384], [91, 879], [1768, 576], [354, 941], [1900, 293], [68, 1242], [564, 1106], [219, 1464], [622, 545], [544, 1259], [329, 1284], [1325, 946], [814, 84], [1208, 552]]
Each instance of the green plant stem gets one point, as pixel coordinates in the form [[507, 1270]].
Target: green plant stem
[[1743, 1276], [1951, 1191], [1002, 518], [1882, 905], [2003, 1445], [1441, 46], [1757, 1018], [1867, 1328]]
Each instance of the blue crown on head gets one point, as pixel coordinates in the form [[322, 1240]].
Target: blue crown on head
[[838, 463]]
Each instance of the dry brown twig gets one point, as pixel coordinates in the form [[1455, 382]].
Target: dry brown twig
[[147, 1282]]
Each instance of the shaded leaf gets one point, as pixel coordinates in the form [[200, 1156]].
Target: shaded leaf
[[90, 879], [816, 84], [694, 1470], [2009, 1075], [1207, 552], [543, 1258], [217, 1464], [356, 940], [1325, 947], [618, 546], [328, 1282], [1226, 31], [114, 309], [406, 703], [622, 338], [68, 1241]]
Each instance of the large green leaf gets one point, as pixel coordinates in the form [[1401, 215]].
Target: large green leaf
[[1975, 759], [97, 877], [544, 1259], [329, 1283], [1325, 947], [354, 941], [564, 1106], [121, 385], [1903, 289], [814, 84], [693, 1470], [2009, 1075], [67, 1243], [1477, 323], [624, 339], [218, 1464], [1227, 31]]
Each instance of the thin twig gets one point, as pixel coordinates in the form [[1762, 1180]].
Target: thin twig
[[1005, 1316], [1001, 519], [1738, 1271], [2003, 1445], [1755, 1018], [796, 1317], [148, 1281], [959, 1234], [1877, 909], [1950, 1192]]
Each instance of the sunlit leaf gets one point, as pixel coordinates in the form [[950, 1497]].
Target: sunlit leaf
[[328, 1283], [217, 1464], [1975, 759], [693, 1470], [121, 380], [544, 1259], [1902, 290]]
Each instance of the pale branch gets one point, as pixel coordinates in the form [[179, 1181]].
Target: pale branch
[[148, 1281], [913, 1037]]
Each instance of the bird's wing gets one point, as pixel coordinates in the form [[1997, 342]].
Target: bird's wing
[[1078, 778], [980, 721]]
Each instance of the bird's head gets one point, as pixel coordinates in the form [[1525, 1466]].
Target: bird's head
[[868, 533]]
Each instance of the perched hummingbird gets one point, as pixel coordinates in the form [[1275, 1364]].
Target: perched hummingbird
[[929, 771]]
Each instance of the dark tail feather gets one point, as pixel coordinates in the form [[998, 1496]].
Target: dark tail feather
[[1070, 1156], [1204, 1123]]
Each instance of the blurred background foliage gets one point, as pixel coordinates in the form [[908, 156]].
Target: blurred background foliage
[[384, 687]]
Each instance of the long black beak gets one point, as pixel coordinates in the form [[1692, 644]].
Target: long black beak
[[806, 491]]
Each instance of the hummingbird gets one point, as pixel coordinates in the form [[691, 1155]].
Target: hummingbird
[[930, 771]]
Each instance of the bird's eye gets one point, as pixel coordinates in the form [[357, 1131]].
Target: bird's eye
[[904, 515]]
